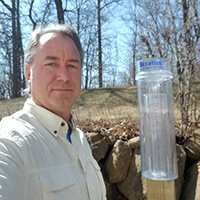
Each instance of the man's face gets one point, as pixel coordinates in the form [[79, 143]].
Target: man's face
[[55, 76]]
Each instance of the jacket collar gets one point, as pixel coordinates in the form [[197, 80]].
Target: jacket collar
[[51, 121]]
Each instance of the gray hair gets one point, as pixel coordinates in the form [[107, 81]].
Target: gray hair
[[40, 31]]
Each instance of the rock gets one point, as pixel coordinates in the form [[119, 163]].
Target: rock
[[181, 159], [197, 131], [132, 187], [134, 143], [121, 197], [192, 146], [121, 167], [99, 145], [112, 191], [112, 139], [191, 190], [118, 160]]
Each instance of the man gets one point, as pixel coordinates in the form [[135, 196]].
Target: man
[[42, 153]]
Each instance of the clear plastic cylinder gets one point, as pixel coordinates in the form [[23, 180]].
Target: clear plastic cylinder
[[157, 131]]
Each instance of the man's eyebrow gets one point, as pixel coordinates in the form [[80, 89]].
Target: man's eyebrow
[[51, 58], [56, 58], [74, 60]]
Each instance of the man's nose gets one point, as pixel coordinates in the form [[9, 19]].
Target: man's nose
[[64, 73]]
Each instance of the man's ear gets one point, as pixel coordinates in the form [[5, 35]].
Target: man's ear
[[28, 73]]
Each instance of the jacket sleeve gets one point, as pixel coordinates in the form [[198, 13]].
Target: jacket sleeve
[[12, 170]]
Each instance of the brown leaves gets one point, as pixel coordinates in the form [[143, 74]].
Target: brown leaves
[[128, 129], [187, 131], [124, 130]]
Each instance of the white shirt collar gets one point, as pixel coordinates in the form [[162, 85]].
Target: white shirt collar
[[51, 121]]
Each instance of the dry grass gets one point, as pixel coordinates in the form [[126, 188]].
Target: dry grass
[[113, 103], [194, 104], [108, 104], [7, 107]]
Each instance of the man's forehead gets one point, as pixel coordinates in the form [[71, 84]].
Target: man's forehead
[[47, 37], [47, 40]]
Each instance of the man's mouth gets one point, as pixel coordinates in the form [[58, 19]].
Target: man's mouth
[[63, 89]]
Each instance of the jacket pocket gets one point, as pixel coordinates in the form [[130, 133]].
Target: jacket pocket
[[58, 184]]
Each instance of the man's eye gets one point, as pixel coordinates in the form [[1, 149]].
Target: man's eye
[[50, 64], [72, 66]]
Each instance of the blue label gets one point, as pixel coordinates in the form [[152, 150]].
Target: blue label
[[144, 66]]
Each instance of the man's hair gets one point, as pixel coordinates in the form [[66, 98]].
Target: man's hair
[[40, 31]]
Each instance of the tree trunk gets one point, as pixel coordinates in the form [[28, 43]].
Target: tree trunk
[[78, 21], [99, 45], [14, 46], [21, 77], [17, 50], [60, 12], [187, 62]]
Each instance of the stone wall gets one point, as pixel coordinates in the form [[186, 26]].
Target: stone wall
[[120, 162]]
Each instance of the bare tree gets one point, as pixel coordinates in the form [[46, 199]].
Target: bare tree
[[42, 13], [171, 29], [81, 15], [190, 33], [185, 39], [17, 49], [101, 4], [100, 44], [60, 11], [5, 55], [131, 20], [30, 14]]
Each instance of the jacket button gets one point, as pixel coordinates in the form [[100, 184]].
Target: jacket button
[[62, 124]]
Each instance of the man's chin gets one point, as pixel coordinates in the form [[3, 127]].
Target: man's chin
[[62, 103]]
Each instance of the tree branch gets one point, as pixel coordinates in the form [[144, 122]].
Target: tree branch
[[6, 5], [30, 14]]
